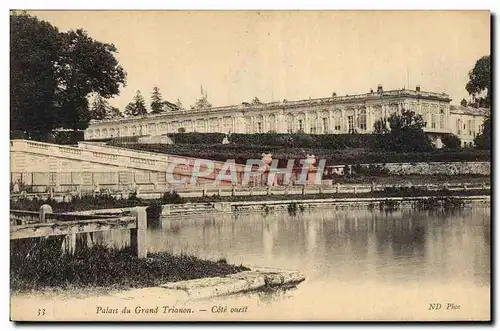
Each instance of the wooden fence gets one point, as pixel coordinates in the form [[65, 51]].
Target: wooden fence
[[27, 224]]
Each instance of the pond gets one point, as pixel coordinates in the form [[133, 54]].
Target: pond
[[358, 263]]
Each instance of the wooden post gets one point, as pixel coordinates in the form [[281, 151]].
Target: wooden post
[[43, 211], [138, 236]]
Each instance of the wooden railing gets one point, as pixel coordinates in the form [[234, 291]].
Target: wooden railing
[[50, 224]]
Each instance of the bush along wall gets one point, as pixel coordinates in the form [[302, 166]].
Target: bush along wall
[[241, 153]]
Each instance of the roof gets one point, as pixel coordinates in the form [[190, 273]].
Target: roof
[[469, 110]]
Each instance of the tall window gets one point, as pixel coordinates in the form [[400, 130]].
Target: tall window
[[338, 120], [433, 120], [227, 122], [362, 120], [313, 130], [350, 124], [301, 125], [259, 127], [469, 124], [289, 123], [248, 124], [272, 123], [441, 119], [325, 124], [459, 126]]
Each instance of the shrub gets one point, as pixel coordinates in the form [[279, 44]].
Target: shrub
[[451, 141]]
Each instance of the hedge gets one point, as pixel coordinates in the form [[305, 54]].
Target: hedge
[[197, 138], [241, 153], [336, 141]]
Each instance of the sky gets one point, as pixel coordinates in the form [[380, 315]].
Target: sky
[[276, 55]]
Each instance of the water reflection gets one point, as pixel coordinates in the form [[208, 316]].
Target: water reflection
[[342, 245]]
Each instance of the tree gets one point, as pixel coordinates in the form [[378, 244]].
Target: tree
[[86, 66], [101, 109], [202, 102], [463, 103], [479, 81], [381, 127], [179, 105], [256, 101], [483, 140], [98, 109], [156, 101], [113, 112], [53, 73], [405, 133], [137, 107], [34, 51], [451, 141]]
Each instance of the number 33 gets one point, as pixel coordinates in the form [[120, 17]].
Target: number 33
[[41, 312]]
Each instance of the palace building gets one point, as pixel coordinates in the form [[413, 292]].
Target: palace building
[[330, 115]]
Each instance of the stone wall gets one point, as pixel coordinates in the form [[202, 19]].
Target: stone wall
[[439, 168]]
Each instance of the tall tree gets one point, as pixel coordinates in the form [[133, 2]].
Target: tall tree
[[34, 52], [52, 74], [463, 103], [178, 104], [113, 112], [483, 140], [479, 81], [101, 109], [98, 109], [405, 133], [137, 107], [156, 101], [87, 66], [202, 102]]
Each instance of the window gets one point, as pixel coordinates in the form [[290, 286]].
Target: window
[[301, 125], [350, 124], [259, 127], [362, 120], [248, 124], [338, 120], [289, 123], [313, 130], [441, 119], [433, 120], [325, 125], [227, 123], [469, 124], [459, 126], [272, 123]]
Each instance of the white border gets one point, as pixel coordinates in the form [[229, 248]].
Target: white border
[[191, 4]]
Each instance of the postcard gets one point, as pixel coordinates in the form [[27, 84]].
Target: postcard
[[250, 166]]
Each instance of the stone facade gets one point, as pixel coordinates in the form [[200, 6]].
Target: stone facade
[[332, 115]]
